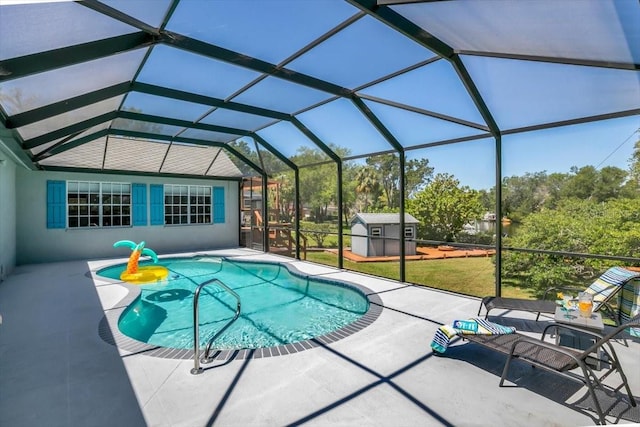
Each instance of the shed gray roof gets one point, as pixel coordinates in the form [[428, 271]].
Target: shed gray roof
[[382, 218]]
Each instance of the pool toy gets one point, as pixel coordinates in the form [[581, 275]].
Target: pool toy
[[145, 274]]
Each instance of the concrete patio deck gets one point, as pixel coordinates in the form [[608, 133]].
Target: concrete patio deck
[[56, 370]]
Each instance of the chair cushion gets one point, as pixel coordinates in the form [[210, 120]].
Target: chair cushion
[[630, 304], [609, 283]]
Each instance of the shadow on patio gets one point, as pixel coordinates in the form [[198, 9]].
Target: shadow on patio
[[59, 369], [55, 369]]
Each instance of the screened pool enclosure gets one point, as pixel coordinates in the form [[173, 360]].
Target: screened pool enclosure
[[502, 126]]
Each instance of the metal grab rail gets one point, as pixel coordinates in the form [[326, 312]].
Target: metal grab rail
[[196, 324]]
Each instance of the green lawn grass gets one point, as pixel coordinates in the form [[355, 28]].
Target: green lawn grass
[[469, 276]]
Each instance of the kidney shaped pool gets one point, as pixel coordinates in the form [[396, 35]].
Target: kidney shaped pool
[[278, 306]]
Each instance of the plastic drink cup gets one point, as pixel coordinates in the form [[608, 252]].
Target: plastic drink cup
[[585, 304]]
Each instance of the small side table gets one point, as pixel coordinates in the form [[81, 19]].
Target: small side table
[[575, 339]]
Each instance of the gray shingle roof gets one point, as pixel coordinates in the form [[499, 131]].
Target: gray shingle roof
[[382, 218]]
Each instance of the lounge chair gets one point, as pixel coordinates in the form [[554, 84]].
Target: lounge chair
[[603, 289], [562, 360]]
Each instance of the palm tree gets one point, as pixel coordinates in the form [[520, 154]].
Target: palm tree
[[367, 183]]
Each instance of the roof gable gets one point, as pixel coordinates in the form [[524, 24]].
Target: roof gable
[[382, 218]]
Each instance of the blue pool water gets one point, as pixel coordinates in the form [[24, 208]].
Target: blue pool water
[[278, 307]]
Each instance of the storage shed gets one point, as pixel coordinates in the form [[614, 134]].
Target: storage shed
[[378, 234]]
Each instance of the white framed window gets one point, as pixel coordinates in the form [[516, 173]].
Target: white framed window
[[376, 231], [408, 233], [187, 204], [98, 204]]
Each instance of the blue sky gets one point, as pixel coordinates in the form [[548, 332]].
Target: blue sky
[[607, 143]]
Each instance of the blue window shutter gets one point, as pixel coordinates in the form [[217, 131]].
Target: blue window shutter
[[218, 205], [139, 202], [56, 204], [157, 204]]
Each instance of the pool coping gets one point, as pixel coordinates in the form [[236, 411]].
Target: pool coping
[[109, 331]]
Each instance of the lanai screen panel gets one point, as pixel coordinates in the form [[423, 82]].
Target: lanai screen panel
[[44, 127], [89, 155], [134, 155], [237, 119], [164, 107], [272, 164], [293, 144], [538, 62], [207, 135], [68, 141], [247, 147], [146, 127], [603, 31], [141, 10], [553, 92], [434, 88], [270, 30], [223, 166], [37, 90], [360, 53], [281, 95], [188, 159], [32, 28], [413, 128], [474, 166], [182, 70], [344, 127]]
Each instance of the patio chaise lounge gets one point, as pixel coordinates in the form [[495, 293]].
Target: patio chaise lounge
[[603, 289], [562, 360]]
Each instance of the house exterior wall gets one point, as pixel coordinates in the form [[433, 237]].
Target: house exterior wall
[[36, 243], [359, 244], [7, 215]]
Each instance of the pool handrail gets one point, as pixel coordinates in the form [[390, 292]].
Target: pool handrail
[[196, 326]]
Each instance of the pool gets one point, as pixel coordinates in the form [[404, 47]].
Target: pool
[[279, 305]]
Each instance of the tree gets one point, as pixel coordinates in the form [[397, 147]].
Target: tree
[[284, 203], [580, 226], [609, 184], [242, 146], [488, 199], [349, 193], [317, 189], [317, 231], [522, 195], [366, 178], [580, 183], [532, 192], [387, 168], [632, 186], [318, 182], [417, 175], [553, 188], [443, 207]]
